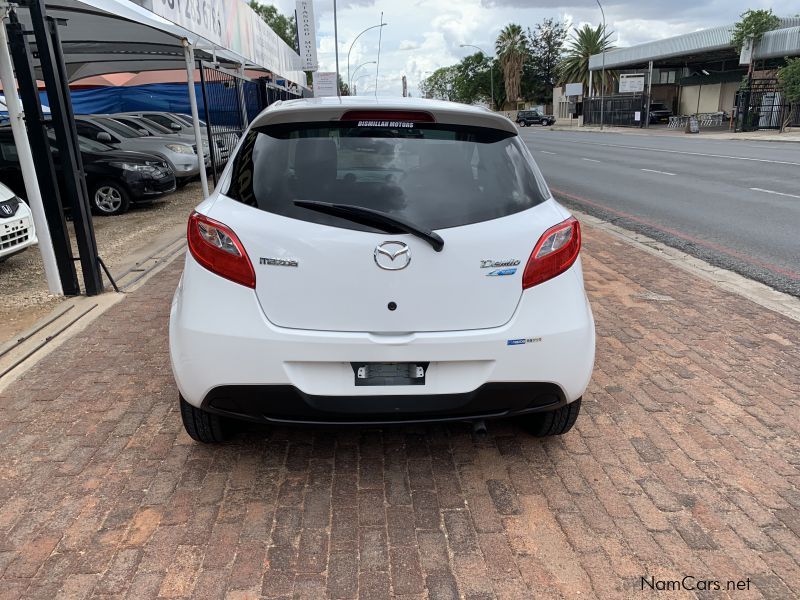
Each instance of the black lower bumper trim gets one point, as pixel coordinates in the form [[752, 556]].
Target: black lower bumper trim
[[287, 404]]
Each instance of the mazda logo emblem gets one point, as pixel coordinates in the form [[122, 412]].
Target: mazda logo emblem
[[392, 256]]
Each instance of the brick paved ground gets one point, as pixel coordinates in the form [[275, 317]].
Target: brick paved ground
[[684, 462]]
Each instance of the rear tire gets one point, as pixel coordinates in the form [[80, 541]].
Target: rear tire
[[202, 426], [552, 422]]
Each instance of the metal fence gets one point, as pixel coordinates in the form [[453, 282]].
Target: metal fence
[[619, 111], [224, 102]]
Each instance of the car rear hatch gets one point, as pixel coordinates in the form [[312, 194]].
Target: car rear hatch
[[326, 269]]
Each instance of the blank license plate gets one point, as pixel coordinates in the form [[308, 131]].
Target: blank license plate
[[373, 373]]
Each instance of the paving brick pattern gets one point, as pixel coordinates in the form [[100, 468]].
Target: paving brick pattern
[[684, 462]]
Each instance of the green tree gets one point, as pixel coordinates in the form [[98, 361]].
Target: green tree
[[789, 78], [440, 84], [511, 47], [584, 43], [284, 26], [753, 24], [540, 72], [471, 81], [344, 89]]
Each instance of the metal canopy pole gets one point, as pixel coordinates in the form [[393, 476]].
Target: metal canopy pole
[[34, 195], [54, 74], [241, 83], [41, 153], [188, 53]]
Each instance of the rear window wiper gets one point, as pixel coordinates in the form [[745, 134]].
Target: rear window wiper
[[374, 218]]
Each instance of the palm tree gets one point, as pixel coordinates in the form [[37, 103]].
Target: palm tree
[[511, 48], [586, 42]]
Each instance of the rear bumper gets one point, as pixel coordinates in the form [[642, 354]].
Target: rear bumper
[[228, 357], [288, 404]]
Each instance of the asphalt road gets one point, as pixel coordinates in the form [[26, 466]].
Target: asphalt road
[[735, 204]]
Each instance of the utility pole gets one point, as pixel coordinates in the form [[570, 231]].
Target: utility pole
[[336, 47]]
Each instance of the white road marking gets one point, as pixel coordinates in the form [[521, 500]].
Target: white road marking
[[773, 192], [761, 160], [591, 160], [654, 171], [546, 152]]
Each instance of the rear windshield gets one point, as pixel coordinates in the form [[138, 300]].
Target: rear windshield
[[435, 176]]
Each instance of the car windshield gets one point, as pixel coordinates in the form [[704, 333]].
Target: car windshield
[[435, 176], [84, 143], [658, 106], [188, 121], [153, 126], [120, 129], [149, 126]]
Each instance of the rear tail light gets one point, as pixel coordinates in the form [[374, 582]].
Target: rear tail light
[[555, 252], [216, 247]]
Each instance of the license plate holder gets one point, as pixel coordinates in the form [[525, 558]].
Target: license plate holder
[[376, 373]]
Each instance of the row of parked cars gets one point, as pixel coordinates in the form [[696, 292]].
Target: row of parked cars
[[128, 158]]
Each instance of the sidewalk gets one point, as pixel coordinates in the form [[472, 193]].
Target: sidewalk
[[685, 461], [706, 134]]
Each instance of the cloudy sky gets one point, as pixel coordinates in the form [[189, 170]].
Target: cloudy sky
[[423, 35]]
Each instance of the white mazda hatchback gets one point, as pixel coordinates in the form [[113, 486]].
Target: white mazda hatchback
[[381, 261]]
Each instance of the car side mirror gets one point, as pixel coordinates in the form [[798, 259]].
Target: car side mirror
[[175, 127], [104, 137]]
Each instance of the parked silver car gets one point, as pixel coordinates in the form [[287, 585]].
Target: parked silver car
[[148, 127], [225, 139], [181, 156]]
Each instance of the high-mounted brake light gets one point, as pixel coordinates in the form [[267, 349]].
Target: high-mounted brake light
[[417, 116], [554, 253], [215, 246]]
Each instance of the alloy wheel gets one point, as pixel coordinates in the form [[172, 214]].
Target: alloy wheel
[[108, 199]]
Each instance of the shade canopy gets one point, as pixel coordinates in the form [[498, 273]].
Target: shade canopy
[[116, 36]]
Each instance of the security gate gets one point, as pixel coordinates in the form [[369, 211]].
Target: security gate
[[226, 116], [620, 111], [761, 105]]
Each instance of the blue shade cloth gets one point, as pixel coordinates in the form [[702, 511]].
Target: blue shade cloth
[[169, 97]]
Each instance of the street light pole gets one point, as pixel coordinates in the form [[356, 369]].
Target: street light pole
[[603, 77], [491, 69], [356, 39], [354, 78]]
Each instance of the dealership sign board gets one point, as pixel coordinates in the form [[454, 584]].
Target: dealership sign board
[[631, 83], [232, 25], [307, 35], [573, 89]]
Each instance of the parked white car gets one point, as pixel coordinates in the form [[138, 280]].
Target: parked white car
[[374, 261], [17, 231]]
